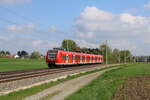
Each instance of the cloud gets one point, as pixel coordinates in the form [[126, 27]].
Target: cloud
[[132, 10], [93, 22], [16, 44], [4, 39], [13, 2], [88, 35], [41, 43], [53, 29], [43, 46], [123, 30], [36, 42], [147, 6], [21, 28], [83, 43]]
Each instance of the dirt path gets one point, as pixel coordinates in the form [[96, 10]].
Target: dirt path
[[60, 91], [134, 88]]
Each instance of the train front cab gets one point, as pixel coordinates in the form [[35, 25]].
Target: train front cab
[[51, 58]]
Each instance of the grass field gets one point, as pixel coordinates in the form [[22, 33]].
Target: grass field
[[19, 95], [9, 64], [104, 86]]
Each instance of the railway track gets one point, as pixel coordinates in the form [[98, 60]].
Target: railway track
[[23, 74]]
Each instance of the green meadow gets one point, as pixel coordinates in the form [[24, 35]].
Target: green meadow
[[10, 64], [106, 85]]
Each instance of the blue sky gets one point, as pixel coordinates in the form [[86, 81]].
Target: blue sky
[[43, 24]]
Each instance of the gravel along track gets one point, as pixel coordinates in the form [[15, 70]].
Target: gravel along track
[[60, 91], [134, 88], [18, 75], [28, 82]]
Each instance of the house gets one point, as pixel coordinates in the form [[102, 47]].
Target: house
[[12, 56], [15, 56]]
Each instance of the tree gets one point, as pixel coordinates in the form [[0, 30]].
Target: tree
[[22, 53], [7, 53], [19, 53], [125, 56], [2, 52], [116, 56], [69, 45], [103, 48], [35, 55]]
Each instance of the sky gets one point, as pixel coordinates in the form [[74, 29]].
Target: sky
[[40, 25]]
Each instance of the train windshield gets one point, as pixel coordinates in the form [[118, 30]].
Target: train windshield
[[52, 54]]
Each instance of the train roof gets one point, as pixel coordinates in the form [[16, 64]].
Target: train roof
[[74, 52]]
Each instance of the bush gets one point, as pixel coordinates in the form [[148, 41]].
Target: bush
[[35, 55]]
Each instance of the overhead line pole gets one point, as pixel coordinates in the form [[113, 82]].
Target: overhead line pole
[[119, 57], [67, 45], [106, 52], [124, 56]]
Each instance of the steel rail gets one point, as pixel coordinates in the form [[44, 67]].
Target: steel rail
[[41, 73]]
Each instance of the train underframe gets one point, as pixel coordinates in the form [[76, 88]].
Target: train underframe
[[53, 64]]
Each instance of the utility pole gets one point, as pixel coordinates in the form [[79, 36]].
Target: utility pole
[[106, 52], [119, 57], [124, 56], [67, 45]]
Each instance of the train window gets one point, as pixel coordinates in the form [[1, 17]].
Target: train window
[[77, 58], [92, 58], [83, 58], [73, 57], [87, 58], [68, 57], [64, 57], [52, 54]]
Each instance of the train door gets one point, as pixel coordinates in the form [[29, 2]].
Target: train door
[[90, 59], [85, 60], [80, 58], [73, 58], [67, 58]]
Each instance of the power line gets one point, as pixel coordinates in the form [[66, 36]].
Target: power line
[[14, 23], [7, 21], [21, 16]]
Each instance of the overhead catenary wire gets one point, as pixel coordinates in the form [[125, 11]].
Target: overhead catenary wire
[[15, 23], [40, 31], [24, 18], [7, 21], [19, 15]]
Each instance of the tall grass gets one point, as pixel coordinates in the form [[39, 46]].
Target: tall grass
[[104, 86]]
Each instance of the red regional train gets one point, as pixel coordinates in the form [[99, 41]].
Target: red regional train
[[61, 57]]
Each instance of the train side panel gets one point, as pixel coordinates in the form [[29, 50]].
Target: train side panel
[[70, 58]]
